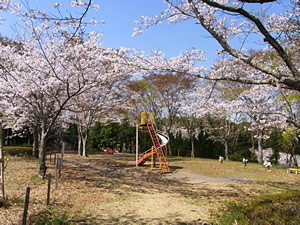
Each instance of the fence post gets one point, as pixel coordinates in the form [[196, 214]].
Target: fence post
[[54, 158], [49, 188], [26, 204], [59, 168], [56, 175], [62, 153]]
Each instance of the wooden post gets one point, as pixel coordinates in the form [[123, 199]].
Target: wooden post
[[59, 167], [2, 192], [152, 157], [62, 154], [26, 204], [49, 188], [54, 162], [56, 177], [136, 145]]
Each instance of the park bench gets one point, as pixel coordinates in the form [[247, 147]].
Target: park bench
[[296, 170]]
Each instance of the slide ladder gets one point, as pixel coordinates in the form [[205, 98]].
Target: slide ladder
[[159, 140], [158, 146]]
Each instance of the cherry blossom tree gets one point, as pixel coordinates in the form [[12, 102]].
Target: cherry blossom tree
[[261, 107], [215, 107], [95, 105], [142, 95], [290, 101], [290, 144], [235, 24], [170, 87], [264, 107], [45, 76], [195, 105], [161, 93], [60, 15], [220, 124]]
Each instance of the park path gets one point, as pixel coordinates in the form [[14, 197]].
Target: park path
[[196, 178]]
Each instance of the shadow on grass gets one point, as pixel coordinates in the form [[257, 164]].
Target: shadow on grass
[[174, 169], [18, 151], [119, 178], [4, 203], [132, 219], [117, 175]]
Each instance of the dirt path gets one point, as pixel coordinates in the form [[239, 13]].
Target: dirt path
[[196, 178], [115, 192]]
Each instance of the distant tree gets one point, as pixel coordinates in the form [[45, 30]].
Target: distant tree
[[126, 135], [221, 129], [194, 105], [143, 95], [291, 143], [171, 89], [95, 136]]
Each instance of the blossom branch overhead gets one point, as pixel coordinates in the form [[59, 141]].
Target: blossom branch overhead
[[219, 20]]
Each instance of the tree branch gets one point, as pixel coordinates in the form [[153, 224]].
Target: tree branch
[[257, 65], [257, 1], [268, 37]]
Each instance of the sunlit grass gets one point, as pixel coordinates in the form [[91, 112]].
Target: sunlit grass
[[213, 168], [23, 151]]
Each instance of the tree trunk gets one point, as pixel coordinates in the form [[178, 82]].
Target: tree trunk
[[169, 146], [79, 145], [35, 145], [132, 146], [42, 155], [294, 157], [226, 149], [123, 148], [128, 147], [252, 143], [193, 148], [84, 150], [260, 151]]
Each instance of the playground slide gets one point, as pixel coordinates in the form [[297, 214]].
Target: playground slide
[[164, 141]]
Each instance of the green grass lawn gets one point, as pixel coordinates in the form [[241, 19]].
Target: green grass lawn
[[274, 194], [18, 150], [213, 168]]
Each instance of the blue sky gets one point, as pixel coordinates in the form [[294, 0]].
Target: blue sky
[[120, 15], [170, 38]]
